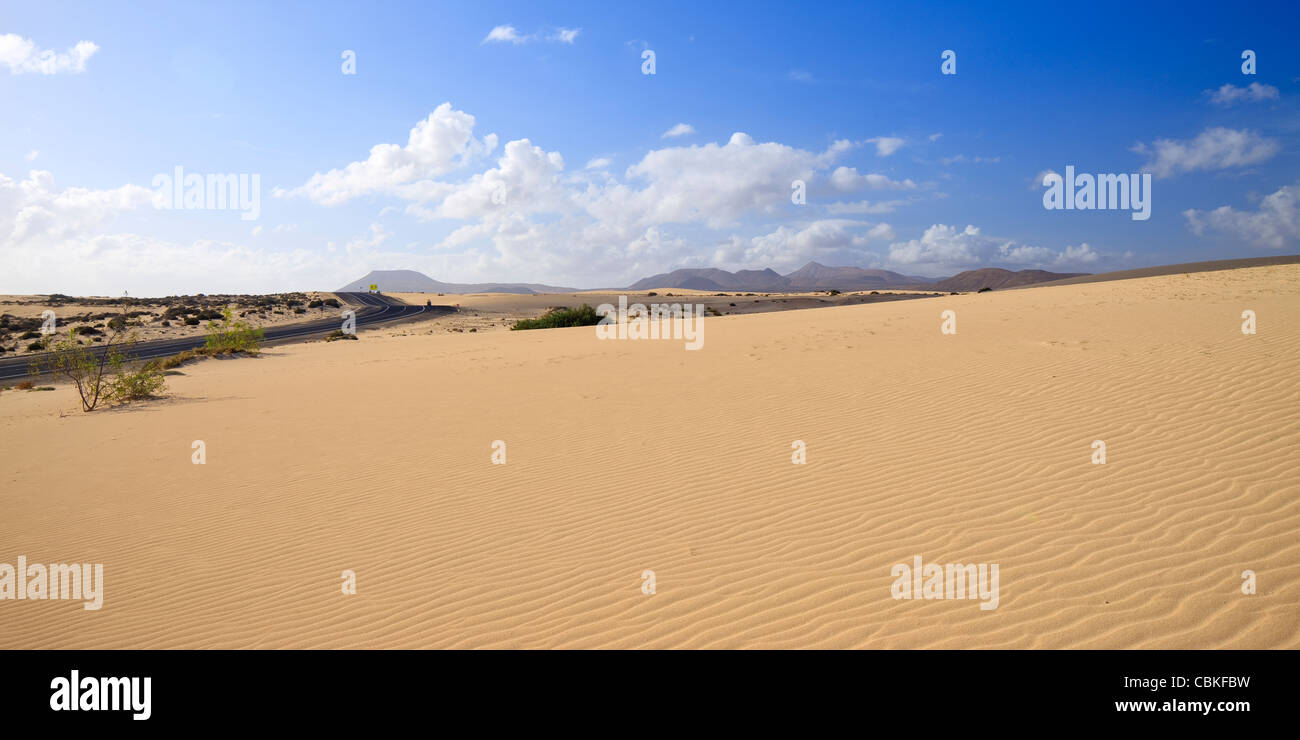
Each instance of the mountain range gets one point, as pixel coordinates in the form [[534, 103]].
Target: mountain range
[[811, 277]]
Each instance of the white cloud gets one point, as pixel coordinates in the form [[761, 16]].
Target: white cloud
[[52, 240], [714, 184], [22, 56], [599, 163], [837, 241], [681, 129], [886, 145], [1253, 93], [865, 206], [944, 249], [525, 180], [962, 158], [35, 210], [935, 137], [437, 145], [504, 34], [1214, 149], [508, 34], [1276, 224], [1037, 182], [32, 155], [847, 178]]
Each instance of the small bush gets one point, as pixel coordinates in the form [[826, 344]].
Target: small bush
[[338, 334], [560, 317], [35, 347], [26, 385], [191, 320], [233, 336], [983, 290], [127, 385]]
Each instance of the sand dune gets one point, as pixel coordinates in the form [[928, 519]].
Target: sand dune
[[623, 456]]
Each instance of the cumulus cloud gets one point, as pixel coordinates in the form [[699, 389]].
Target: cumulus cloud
[[681, 129], [944, 249], [1276, 224], [847, 178], [886, 145], [1230, 94], [1214, 149], [437, 145], [52, 240], [711, 183], [36, 209], [503, 34], [838, 241], [508, 34], [565, 35], [22, 56], [525, 180]]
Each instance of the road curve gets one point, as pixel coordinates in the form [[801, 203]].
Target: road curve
[[371, 310]]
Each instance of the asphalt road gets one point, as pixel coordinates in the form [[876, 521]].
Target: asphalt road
[[371, 310]]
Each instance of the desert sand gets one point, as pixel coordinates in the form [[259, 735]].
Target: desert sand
[[375, 456]]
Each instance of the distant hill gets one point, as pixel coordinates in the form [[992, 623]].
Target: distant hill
[[410, 281], [997, 279], [812, 276], [714, 279]]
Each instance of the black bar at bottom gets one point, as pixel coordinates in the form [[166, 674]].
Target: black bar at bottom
[[973, 690]]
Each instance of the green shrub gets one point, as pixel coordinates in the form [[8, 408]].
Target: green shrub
[[338, 334], [132, 385], [560, 317], [232, 335]]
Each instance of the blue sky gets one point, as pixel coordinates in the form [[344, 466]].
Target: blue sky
[[540, 152]]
